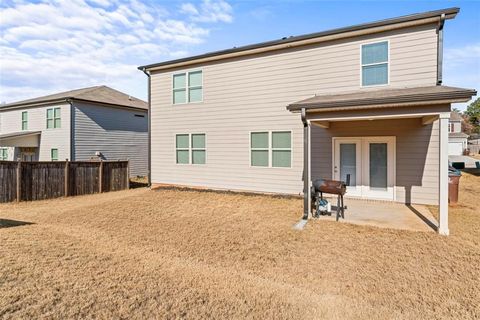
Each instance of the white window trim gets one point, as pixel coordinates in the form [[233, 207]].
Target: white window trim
[[46, 118], [373, 64], [187, 86], [270, 149], [190, 149]]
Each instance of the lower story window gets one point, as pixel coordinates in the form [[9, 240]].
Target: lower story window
[[190, 148], [271, 149], [54, 154]]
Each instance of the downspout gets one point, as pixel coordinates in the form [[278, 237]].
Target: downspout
[[441, 22], [149, 156], [72, 130], [306, 165]]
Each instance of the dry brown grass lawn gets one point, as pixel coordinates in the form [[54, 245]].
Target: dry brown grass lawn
[[184, 254]]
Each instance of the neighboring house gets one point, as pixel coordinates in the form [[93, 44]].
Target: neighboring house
[[85, 124], [364, 101], [457, 140]]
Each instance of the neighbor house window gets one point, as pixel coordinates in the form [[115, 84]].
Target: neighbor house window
[[24, 120], [54, 154], [3, 154], [271, 149], [451, 127], [53, 118], [375, 63], [190, 148], [187, 87]]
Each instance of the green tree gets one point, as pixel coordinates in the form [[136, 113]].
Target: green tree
[[473, 114]]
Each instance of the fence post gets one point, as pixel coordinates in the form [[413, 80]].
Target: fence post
[[19, 180], [100, 177], [128, 174], [67, 180]]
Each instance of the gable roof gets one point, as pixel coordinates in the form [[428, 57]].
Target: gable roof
[[430, 16], [372, 98], [97, 94]]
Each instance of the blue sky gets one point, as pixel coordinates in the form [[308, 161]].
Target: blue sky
[[51, 46]]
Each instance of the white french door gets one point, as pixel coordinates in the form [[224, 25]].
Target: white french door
[[369, 163]]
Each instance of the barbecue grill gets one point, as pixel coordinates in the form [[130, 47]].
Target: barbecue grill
[[321, 186]]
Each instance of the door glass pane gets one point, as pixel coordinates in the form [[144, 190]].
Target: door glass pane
[[378, 166], [348, 162], [259, 140], [281, 139], [198, 156], [260, 158], [281, 158]]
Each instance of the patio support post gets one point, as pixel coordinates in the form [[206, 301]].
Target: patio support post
[[443, 173], [307, 202]]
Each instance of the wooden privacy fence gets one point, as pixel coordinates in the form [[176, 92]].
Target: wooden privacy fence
[[27, 181]]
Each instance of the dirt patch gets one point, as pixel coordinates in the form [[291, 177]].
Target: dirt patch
[[188, 254]]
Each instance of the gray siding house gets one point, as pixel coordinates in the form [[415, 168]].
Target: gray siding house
[[365, 101], [97, 123]]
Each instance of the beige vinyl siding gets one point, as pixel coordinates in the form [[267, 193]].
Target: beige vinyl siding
[[58, 138], [115, 132], [250, 94]]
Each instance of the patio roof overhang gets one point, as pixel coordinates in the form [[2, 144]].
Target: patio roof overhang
[[384, 98], [20, 139]]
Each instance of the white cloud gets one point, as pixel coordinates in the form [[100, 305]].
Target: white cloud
[[462, 68], [209, 11], [56, 45]]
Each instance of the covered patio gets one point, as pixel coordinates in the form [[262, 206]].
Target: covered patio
[[24, 144], [391, 144]]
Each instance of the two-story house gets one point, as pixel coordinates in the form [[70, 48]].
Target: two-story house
[[457, 140], [365, 101], [96, 123]]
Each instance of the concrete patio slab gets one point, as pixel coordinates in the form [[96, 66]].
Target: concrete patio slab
[[385, 214]]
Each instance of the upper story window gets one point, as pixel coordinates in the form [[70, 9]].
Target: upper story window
[[451, 127], [53, 118], [188, 87], [24, 120], [375, 64]]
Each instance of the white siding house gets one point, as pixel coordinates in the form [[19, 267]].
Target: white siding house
[[85, 124]]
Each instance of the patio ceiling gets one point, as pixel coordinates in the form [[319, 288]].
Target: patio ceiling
[[20, 139]]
